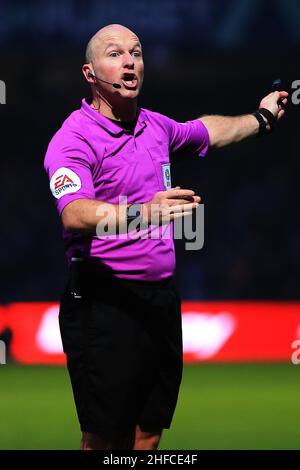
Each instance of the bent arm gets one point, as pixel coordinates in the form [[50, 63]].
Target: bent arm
[[97, 217], [84, 215]]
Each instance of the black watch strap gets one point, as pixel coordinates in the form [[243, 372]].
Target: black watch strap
[[262, 124], [269, 117]]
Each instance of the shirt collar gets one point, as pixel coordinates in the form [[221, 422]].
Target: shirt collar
[[111, 127]]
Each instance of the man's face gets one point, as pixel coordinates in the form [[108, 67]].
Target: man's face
[[118, 59]]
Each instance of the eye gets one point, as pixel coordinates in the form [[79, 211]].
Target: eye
[[114, 54], [137, 53]]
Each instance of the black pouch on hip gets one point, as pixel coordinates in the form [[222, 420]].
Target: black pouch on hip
[[76, 277]]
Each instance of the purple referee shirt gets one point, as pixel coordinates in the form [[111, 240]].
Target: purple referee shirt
[[93, 157]]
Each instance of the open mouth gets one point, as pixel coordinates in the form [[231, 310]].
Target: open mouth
[[129, 80]]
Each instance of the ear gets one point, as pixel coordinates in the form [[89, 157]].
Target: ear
[[87, 69]]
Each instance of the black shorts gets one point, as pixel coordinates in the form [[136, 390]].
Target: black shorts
[[123, 342]]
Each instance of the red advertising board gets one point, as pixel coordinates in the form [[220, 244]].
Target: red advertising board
[[2, 319], [239, 331], [35, 333], [212, 331]]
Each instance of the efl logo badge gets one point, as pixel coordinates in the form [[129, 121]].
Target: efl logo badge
[[64, 181], [166, 175]]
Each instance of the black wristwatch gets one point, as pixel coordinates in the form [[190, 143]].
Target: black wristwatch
[[262, 123], [269, 117]]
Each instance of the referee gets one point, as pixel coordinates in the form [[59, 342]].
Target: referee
[[120, 316]]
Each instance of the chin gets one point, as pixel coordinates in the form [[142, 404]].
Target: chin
[[130, 94]]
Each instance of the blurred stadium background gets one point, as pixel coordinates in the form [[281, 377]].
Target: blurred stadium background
[[240, 292]]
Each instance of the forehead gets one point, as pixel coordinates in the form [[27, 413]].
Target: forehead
[[121, 38]]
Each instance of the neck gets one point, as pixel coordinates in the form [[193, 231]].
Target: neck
[[125, 111]]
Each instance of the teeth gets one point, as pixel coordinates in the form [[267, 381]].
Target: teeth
[[129, 81]]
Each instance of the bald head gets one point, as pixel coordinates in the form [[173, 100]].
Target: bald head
[[114, 56], [102, 36]]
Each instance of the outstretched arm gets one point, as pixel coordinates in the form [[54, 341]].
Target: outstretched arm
[[228, 130]]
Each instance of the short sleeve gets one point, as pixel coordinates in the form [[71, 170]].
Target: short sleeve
[[69, 164], [189, 137]]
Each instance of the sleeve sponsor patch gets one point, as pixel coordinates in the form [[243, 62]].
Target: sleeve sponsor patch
[[64, 181]]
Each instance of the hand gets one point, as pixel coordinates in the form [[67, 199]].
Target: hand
[[273, 101], [169, 205]]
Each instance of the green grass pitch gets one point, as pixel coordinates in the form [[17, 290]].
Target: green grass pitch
[[236, 406]]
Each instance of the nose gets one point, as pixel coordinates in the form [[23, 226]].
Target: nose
[[128, 62]]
